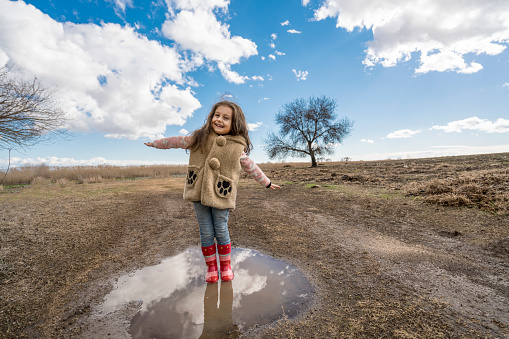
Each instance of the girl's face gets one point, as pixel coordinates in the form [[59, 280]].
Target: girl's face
[[222, 120]]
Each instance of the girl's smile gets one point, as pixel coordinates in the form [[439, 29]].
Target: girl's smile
[[222, 120]]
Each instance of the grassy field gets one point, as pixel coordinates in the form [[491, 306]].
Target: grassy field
[[476, 180], [480, 181]]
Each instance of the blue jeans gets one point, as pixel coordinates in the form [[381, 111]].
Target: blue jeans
[[213, 223]]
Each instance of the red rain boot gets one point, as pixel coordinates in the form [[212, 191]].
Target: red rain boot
[[209, 253], [225, 262]]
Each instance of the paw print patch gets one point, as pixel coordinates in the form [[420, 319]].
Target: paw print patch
[[192, 176], [223, 186]]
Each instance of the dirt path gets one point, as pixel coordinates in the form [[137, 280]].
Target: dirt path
[[384, 266], [381, 264]]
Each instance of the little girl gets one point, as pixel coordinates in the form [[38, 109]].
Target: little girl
[[219, 151]]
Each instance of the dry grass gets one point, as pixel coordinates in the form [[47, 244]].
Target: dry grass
[[38, 181], [487, 189], [87, 174], [476, 181], [480, 181], [62, 182]]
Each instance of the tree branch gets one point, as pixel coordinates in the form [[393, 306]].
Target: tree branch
[[28, 113], [8, 167]]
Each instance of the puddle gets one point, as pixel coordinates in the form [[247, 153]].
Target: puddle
[[174, 301]]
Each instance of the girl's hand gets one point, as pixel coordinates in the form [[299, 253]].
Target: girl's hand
[[274, 186], [149, 144]]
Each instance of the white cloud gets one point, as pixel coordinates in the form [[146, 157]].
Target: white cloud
[[437, 151], [109, 78], [64, 162], [230, 75], [4, 58], [198, 4], [273, 56], [263, 99], [476, 124], [273, 46], [450, 146], [305, 2], [504, 85], [194, 26], [300, 75], [257, 78], [447, 61], [254, 126], [293, 31], [447, 34], [183, 131], [285, 23], [404, 133], [226, 96], [199, 31], [121, 5], [368, 141]]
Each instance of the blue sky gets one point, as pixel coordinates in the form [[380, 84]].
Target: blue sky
[[419, 79]]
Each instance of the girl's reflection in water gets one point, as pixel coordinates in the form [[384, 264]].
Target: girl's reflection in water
[[170, 298], [218, 322]]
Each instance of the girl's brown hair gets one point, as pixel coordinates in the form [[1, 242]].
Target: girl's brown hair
[[238, 127]]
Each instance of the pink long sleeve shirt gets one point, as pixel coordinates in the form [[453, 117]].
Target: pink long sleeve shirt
[[246, 163]]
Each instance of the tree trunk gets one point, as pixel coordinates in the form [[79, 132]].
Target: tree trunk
[[312, 154], [313, 160]]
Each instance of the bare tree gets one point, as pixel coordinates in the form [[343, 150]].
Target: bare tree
[[307, 128], [28, 111]]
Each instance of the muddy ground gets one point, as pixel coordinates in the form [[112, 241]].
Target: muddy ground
[[383, 264]]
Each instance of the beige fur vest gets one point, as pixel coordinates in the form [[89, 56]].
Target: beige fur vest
[[213, 173]]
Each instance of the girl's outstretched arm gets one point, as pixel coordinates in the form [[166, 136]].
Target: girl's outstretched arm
[[255, 172], [170, 142]]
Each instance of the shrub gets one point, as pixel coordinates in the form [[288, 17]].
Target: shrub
[[38, 181], [62, 182]]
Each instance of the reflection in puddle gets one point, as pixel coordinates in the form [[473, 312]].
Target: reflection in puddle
[[178, 303]]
